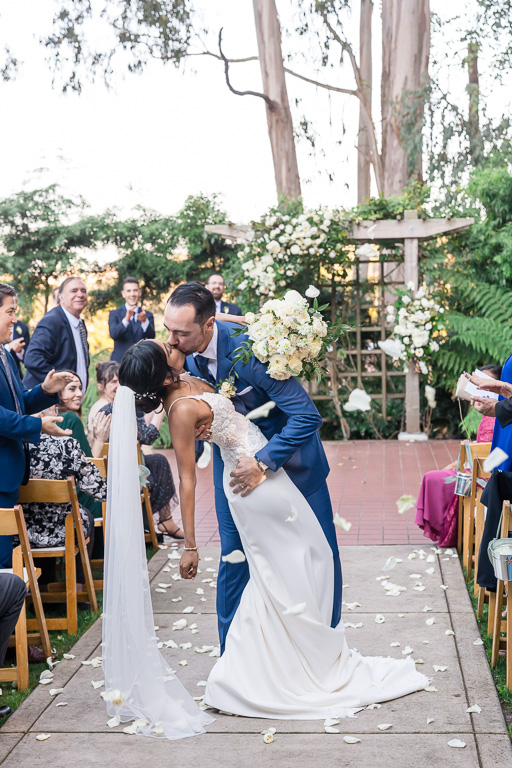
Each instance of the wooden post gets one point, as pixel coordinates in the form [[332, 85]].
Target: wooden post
[[412, 378]]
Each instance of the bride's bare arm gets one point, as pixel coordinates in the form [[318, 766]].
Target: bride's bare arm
[[182, 428], [239, 319]]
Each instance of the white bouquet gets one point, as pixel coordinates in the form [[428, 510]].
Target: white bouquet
[[289, 335]]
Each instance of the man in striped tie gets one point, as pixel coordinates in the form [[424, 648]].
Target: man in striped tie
[[60, 338]]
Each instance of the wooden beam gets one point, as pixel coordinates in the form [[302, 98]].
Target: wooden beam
[[231, 231], [387, 229]]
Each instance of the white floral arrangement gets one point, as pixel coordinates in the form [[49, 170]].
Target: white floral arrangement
[[289, 335], [284, 244], [418, 330]]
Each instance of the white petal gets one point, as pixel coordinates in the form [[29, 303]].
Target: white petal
[[45, 681], [295, 610], [475, 708], [293, 515], [390, 563], [431, 689], [341, 523], [46, 675], [43, 736], [374, 706], [114, 721], [384, 726], [494, 459], [405, 503], [426, 609], [443, 586], [68, 656], [171, 644], [395, 645], [55, 691], [176, 599], [351, 740], [425, 642], [312, 292], [419, 661], [201, 683], [479, 641], [412, 556], [431, 558], [166, 569], [430, 571], [380, 619], [268, 738], [158, 589], [180, 624], [439, 668], [97, 683], [131, 730], [329, 729], [430, 720], [358, 400], [61, 704], [449, 632], [165, 586], [430, 621], [261, 412], [183, 663], [331, 721], [457, 742], [407, 650], [351, 606], [236, 556], [419, 587], [415, 575], [188, 609]]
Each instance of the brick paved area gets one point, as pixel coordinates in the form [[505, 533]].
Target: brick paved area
[[366, 479]]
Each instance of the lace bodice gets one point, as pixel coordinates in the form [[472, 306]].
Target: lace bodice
[[235, 435]]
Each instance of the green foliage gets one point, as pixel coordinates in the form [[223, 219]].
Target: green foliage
[[42, 234]]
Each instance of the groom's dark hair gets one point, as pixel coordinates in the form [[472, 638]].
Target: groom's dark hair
[[197, 295]]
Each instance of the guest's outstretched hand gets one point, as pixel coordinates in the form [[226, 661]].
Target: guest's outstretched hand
[[54, 382], [49, 426]]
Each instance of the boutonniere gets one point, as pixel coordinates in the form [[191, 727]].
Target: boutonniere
[[19, 329], [227, 387], [226, 310]]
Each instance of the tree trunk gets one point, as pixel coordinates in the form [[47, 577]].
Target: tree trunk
[[405, 55], [279, 119], [365, 66], [476, 147]]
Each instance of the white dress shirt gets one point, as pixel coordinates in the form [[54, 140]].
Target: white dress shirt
[[211, 353], [81, 367], [126, 322], [218, 305]]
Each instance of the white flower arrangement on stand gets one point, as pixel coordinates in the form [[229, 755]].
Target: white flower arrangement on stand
[[418, 329]]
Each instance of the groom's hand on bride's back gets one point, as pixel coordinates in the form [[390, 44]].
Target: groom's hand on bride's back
[[247, 475], [203, 433]]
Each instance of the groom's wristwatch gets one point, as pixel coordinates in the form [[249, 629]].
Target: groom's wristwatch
[[261, 465]]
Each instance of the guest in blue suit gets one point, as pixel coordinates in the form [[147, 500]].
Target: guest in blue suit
[[16, 427], [60, 338], [291, 428], [130, 323]]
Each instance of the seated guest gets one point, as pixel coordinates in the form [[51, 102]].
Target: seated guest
[[215, 285], [56, 459], [70, 408], [437, 506], [129, 323], [107, 381], [60, 338], [13, 592], [160, 481]]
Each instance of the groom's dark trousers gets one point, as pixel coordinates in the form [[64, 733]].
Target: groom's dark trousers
[[292, 430]]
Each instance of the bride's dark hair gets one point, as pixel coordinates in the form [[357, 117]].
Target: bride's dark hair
[[144, 369]]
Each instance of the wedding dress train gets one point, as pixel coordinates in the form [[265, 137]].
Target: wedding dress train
[[282, 658]]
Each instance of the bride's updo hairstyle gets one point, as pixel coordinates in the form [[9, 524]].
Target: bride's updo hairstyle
[[144, 369]]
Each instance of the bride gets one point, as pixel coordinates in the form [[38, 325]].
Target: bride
[[282, 658]]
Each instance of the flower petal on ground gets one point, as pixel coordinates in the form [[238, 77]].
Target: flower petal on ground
[[430, 720], [68, 656], [43, 736], [330, 729], [385, 726], [268, 738], [449, 632], [351, 740], [114, 721], [474, 709], [478, 642], [96, 684], [331, 721], [390, 563], [380, 619], [430, 621], [457, 743], [405, 503], [431, 689], [374, 706]]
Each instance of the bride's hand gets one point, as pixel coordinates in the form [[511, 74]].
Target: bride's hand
[[188, 565]]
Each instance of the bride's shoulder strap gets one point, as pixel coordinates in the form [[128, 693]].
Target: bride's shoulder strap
[[183, 397]]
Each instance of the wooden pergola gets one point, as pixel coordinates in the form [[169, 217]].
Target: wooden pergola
[[409, 230]]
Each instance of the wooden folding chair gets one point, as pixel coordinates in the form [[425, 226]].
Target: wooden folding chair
[[502, 630], [12, 523], [99, 522], [64, 492], [475, 450]]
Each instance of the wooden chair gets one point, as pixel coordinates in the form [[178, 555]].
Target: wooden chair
[[481, 451], [64, 492], [503, 600], [151, 536], [99, 522], [12, 523]]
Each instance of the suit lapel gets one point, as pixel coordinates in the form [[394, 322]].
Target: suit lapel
[[15, 380], [69, 331]]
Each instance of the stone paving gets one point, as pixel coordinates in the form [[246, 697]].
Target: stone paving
[[79, 734], [366, 479]]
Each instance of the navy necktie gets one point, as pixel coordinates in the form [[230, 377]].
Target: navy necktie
[[3, 358], [202, 364]]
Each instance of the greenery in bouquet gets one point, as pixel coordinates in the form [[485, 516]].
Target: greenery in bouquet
[[290, 336], [418, 330]]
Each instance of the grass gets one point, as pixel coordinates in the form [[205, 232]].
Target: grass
[[60, 642], [499, 672]]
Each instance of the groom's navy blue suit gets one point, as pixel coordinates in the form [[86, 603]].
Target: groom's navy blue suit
[[292, 431]]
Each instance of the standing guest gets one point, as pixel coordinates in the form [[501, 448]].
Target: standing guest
[[215, 285], [60, 338], [13, 592], [16, 428], [20, 337], [130, 323], [107, 382]]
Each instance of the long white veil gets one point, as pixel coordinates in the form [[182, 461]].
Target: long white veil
[[139, 684]]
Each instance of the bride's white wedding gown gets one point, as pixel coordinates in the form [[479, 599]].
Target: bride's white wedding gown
[[282, 663]]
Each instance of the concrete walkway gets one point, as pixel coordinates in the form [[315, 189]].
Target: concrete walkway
[[79, 734]]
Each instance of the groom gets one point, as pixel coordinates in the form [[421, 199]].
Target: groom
[[291, 429]]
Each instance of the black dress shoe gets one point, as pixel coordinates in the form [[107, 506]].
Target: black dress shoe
[[37, 656], [5, 710]]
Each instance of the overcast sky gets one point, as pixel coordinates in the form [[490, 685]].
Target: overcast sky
[[155, 138]]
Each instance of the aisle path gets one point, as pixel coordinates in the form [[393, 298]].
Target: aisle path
[[366, 479], [79, 734]]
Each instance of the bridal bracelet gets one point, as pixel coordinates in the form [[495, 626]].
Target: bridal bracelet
[[190, 549]]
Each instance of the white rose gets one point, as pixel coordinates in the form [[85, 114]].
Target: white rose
[[319, 327], [312, 292], [257, 331], [315, 347], [410, 286], [277, 368], [267, 320], [295, 250], [250, 317], [260, 351], [273, 246], [295, 365], [406, 299]]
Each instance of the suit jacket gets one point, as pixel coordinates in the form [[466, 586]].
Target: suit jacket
[[291, 427], [52, 346], [16, 429], [230, 309], [21, 331], [124, 338], [504, 412]]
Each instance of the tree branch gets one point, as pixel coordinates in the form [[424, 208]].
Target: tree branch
[[270, 104]]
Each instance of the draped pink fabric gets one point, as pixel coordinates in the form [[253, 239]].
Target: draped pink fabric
[[437, 506]]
